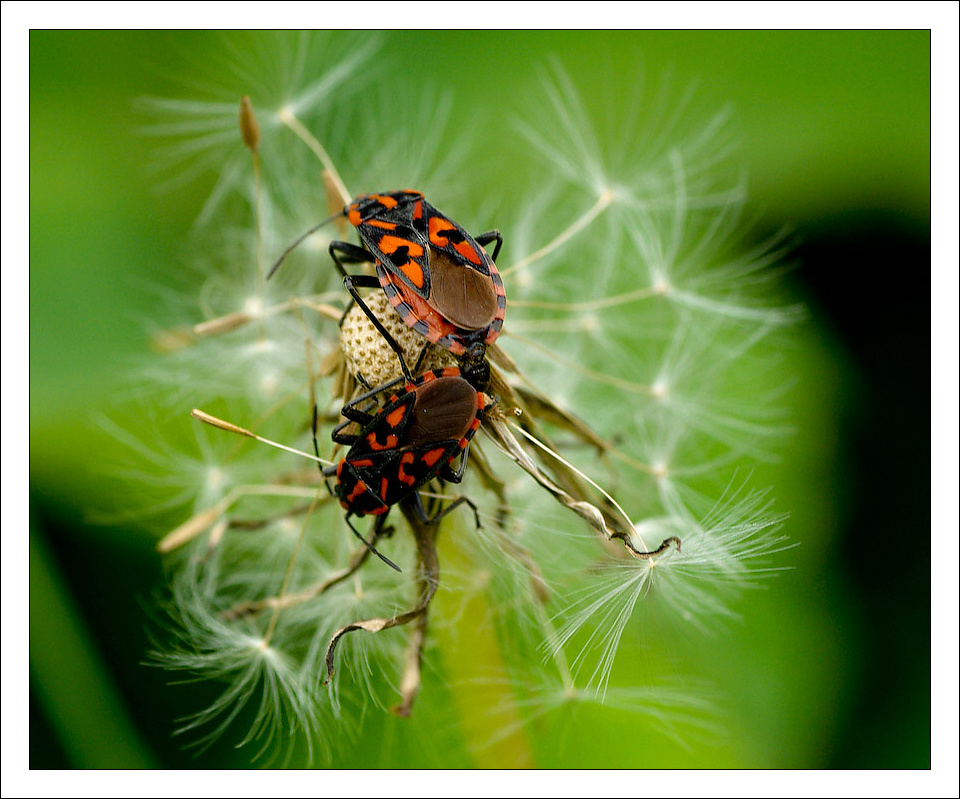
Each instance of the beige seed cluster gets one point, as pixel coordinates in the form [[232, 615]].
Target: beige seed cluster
[[370, 358]]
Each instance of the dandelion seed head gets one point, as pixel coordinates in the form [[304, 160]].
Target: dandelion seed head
[[215, 478], [253, 306], [368, 355], [661, 286], [269, 383], [636, 320], [591, 324]]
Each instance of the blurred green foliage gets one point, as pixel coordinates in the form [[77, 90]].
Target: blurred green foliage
[[831, 667]]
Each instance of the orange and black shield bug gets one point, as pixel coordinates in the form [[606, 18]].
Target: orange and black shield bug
[[437, 276], [415, 437]]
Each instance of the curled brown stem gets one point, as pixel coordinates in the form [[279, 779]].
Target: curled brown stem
[[500, 432], [428, 577], [359, 557], [252, 608]]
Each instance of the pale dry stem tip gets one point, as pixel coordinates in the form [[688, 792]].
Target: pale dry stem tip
[[249, 128], [189, 529], [196, 413], [222, 324], [166, 341]]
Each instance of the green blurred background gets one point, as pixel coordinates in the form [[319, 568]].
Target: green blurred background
[[833, 660]]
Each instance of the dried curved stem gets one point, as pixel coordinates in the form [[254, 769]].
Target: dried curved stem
[[428, 579], [246, 609], [499, 431]]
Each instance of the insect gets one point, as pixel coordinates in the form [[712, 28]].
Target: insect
[[416, 436], [437, 276]]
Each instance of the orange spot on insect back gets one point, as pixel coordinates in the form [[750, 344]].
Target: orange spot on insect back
[[381, 224], [396, 415], [468, 252], [384, 200], [402, 476], [358, 491], [390, 443], [390, 244], [430, 458], [436, 226], [413, 271]]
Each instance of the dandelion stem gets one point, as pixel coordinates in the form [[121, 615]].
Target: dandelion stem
[[235, 319], [261, 283], [410, 680], [599, 377], [590, 305], [606, 197], [569, 465], [428, 569], [250, 133], [640, 466], [288, 118]]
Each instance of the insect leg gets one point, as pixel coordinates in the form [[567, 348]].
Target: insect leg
[[485, 238], [451, 476], [313, 429], [351, 282], [416, 503], [355, 413], [350, 254], [370, 546]]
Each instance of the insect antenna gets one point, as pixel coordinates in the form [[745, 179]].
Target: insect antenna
[[299, 241]]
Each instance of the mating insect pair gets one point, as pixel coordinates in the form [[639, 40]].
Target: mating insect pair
[[444, 285]]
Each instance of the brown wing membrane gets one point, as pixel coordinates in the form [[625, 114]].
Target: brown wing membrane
[[463, 295], [443, 410]]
